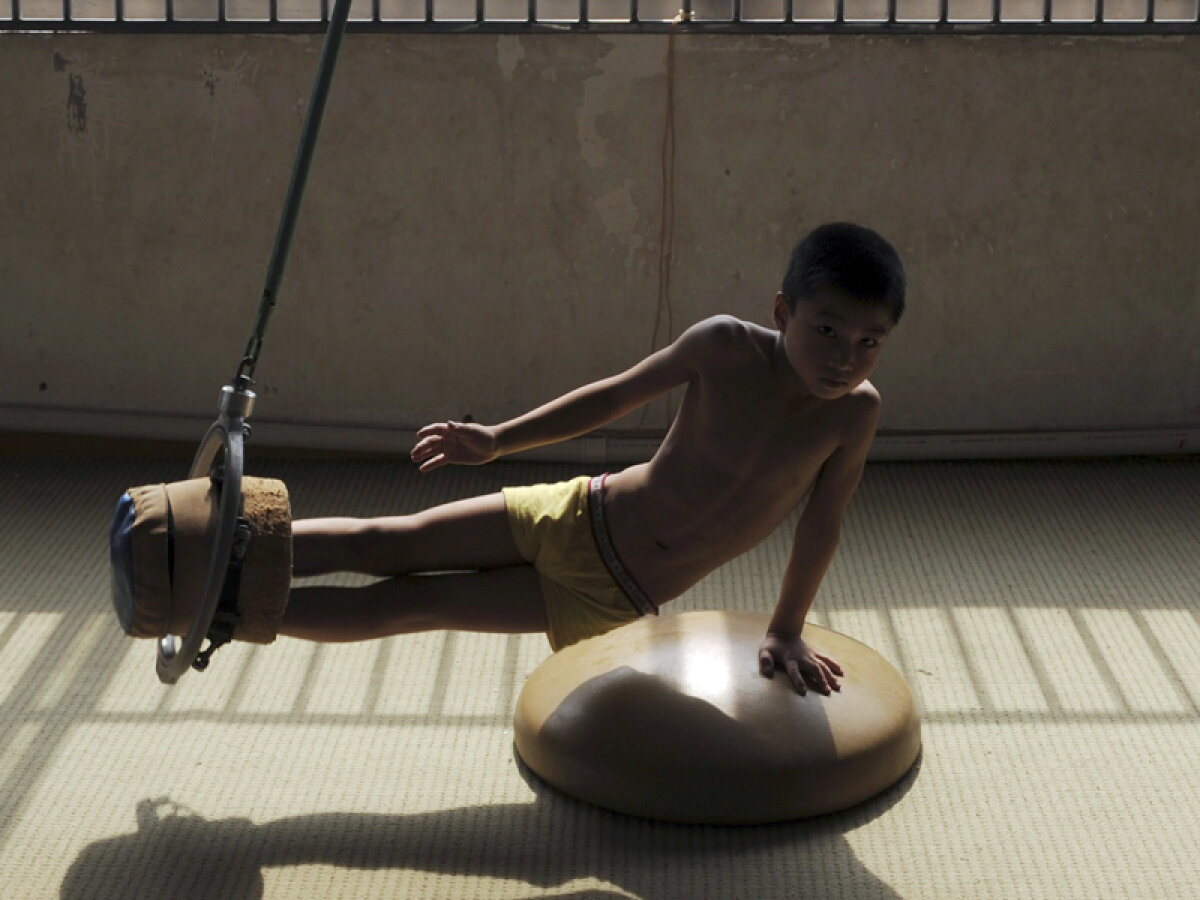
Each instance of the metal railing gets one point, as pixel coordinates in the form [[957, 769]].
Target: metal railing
[[1087, 17]]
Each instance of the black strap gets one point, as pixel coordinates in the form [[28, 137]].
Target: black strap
[[227, 617]]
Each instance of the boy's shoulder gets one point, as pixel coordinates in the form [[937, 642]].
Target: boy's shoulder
[[860, 412], [866, 394], [730, 327], [728, 338]]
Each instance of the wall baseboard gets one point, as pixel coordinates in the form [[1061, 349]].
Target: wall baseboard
[[1037, 444], [597, 449]]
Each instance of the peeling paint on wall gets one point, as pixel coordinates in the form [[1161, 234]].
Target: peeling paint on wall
[[618, 212], [76, 105], [233, 79], [509, 54], [608, 91], [76, 96]]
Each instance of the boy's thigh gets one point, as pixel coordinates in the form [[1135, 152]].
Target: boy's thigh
[[464, 534], [506, 600], [574, 614]]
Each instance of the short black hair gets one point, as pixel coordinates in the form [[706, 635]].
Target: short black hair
[[851, 259]]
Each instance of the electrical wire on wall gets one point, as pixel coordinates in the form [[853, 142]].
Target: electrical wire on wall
[[666, 228], [664, 325]]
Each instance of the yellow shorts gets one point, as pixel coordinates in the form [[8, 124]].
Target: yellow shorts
[[552, 526]]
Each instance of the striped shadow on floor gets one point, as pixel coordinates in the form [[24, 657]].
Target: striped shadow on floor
[[1045, 614]]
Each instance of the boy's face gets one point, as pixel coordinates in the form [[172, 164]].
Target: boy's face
[[832, 341]]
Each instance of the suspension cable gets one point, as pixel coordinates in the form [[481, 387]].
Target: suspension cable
[[244, 377]]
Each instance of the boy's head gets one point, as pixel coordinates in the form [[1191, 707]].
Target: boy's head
[[851, 260]]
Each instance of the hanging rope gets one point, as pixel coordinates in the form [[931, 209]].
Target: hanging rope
[[291, 206]]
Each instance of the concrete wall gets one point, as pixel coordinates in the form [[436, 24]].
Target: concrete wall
[[484, 223]]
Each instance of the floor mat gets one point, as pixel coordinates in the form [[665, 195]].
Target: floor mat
[[1046, 615]]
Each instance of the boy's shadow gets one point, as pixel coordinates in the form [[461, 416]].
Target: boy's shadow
[[550, 842]]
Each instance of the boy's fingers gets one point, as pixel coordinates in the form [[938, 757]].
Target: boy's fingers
[[424, 441], [435, 462], [833, 666], [835, 670], [766, 664], [821, 680], [795, 676]]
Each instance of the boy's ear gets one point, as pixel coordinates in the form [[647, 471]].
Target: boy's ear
[[782, 313]]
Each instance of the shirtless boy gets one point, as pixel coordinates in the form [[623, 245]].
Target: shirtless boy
[[769, 417]]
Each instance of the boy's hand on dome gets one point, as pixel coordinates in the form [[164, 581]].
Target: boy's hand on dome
[[804, 666]]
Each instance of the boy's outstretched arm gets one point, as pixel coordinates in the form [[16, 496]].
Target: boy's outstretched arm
[[813, 547], [577, 412]]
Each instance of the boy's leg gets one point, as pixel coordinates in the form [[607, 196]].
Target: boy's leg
[[499, 592], [462, 535], [504, 601]]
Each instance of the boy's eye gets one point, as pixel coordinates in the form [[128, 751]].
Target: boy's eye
[[826, 330], [870, 342]]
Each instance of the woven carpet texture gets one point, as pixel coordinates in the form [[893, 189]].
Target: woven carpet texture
[[1046, 615]]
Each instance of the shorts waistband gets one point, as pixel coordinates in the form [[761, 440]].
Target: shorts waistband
[[608, 553]]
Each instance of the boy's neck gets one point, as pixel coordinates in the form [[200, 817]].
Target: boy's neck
[[792, 389]]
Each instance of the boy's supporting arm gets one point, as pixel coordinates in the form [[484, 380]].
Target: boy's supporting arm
[[813, 547], [577, 412], [783, 647]]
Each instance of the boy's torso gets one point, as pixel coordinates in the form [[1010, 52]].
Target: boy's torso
[[744, 450]]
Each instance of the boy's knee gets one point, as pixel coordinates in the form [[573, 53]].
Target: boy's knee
[[381, 540]]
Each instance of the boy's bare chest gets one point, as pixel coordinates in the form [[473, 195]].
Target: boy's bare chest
[[707, 498], [744, 461], [745, 428]]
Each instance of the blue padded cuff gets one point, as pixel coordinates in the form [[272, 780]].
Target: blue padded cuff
[[120, 540]]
